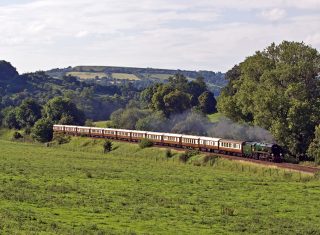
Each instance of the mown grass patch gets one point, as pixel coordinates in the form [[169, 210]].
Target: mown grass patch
[[215, 117], [77, 189]]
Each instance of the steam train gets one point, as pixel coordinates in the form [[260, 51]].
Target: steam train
[[255, 150]]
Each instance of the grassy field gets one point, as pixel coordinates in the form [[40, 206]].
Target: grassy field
[[76, 189], [87, 75], [215, 117], [127, 76], [103, 124]]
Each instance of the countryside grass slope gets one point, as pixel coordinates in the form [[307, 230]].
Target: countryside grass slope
[[76, 189]]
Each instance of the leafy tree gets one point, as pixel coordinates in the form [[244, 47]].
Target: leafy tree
[[176, 102], [7, 71], [277, 89], [314, 148], [128, 118], [63, 111], [107, 146], [207, 102], [10, 118], [42, 130], [156, 121], [28, 113]]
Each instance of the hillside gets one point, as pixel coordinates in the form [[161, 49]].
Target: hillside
[[111, 74], [75, 189]]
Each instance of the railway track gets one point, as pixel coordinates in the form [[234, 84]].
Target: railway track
[[284, 165]]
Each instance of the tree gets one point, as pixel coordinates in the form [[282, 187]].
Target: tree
[[128, 118], [314, 148], [107, 146], [63, 111], [42, 130], [176, 102], [277, 89], [207, 102], [10, 118], [28, 113]]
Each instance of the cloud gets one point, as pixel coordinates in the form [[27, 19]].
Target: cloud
[[189, 34], [275, 14]]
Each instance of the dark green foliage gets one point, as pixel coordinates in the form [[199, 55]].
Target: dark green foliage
[[210, 158], [277, 89], [42, 130], [60, 138], [207, 102], [145, 143], [183, 157], [7, 71], [128, 118], [175, 97], [28, 113], [107, 146], [168, 153], [314, 148], [10, 118], [63, 111], [16, 135]]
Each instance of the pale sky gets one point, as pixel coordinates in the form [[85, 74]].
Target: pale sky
[[173, 34]]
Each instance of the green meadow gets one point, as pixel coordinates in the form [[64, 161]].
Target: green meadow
[[77, 189]]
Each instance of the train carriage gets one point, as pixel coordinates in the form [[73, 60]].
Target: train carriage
[[83, 131], [122, 134], [70, 130], [96, 132], [172, 139], [209, 143], [155, 137], [138, 135], [190, 141], [110, 133], [58, 128], [231, 146]]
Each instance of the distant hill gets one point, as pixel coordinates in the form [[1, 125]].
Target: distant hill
[[142, 76]]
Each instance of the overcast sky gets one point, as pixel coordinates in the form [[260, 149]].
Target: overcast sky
[[185, 34]]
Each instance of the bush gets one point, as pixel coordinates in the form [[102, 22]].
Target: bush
[[145, 143], [211, 158], [16, 135], [192, 152], [168, 153], [61, 139], [42, 130], [107, 146], [183, 157]]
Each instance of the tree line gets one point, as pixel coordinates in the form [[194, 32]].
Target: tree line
[[278, 89]]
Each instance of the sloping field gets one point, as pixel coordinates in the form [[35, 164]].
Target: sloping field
[[127, 76], [87, 75], [76, 189]]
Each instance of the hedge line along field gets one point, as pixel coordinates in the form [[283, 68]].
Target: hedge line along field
[[76, 189]]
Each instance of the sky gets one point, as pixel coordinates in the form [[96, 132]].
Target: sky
[[173, 34]]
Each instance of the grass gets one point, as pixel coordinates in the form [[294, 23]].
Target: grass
[[87, 75], [76, 189], [126, 76], [215, 117], [103, 124]]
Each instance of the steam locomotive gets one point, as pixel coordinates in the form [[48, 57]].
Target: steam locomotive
[[255, 150]]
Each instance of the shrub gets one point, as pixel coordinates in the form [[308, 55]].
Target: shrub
[[107, 146], [42, 130], [145, 143], [16, 135], [168, 153], [211, 158], [192, 152], [61, 139], [183, 157]]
